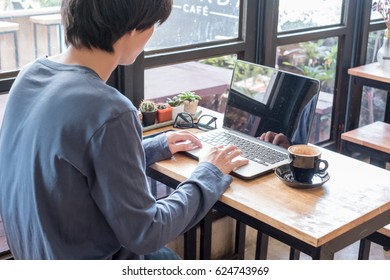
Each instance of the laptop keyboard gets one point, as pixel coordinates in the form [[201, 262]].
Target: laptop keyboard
[[250, 150]]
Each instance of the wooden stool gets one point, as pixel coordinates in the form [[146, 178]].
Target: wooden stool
[[48, 21], [11, 27], [372, 140]]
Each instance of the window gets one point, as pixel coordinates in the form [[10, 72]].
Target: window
[[303, 14], [207, 23], [308, 43], [199, 51], [316, 59]]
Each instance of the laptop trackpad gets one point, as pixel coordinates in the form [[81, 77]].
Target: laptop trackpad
[[246, 172]]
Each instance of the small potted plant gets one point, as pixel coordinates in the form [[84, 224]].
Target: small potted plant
[[148, 110], [164, 112], [176, 104], [190, 100]]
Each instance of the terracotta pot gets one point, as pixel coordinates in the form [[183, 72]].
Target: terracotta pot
[[164, 115], [148, 118], [191, 107]]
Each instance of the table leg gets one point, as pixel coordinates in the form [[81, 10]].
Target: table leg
[[322, 253], [35, 40], [239, 248], [16, 50], [261, 246], [294, 254], [60, 37], [190, 244], [205, 236], [364, 249], [354, 101], [48, 40]]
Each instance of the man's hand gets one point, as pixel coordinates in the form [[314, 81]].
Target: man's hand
[[226, 158], [276, 138], [180, 141]]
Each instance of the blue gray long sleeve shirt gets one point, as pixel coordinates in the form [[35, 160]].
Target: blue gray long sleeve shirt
[[72, 171]]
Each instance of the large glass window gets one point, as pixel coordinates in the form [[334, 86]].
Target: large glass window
[[193, 25], [303, 14], [316, 59]]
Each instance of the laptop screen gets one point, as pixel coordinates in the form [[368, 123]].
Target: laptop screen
[[263, 99]]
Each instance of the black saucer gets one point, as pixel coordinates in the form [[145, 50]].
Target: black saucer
[[284, 173]]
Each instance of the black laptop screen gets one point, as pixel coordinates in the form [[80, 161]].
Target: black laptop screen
[[263, 99]]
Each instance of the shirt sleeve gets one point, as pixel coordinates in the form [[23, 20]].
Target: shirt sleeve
[[120, 189], [156, 148]]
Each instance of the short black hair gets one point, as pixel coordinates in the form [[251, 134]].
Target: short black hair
[[100, 23]]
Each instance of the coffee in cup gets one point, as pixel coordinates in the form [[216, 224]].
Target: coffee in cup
[[305, 162]]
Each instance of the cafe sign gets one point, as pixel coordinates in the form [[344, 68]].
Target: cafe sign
[[208, 7], [198, 21]]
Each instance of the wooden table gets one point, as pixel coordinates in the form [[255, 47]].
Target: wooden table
[[370, 75], [352, 205], [11, 27], [48, 21], [372, 140]]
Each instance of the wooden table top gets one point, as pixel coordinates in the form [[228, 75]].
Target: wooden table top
[[6, 26], [46, 19], [371, 71], [355, 193], [375, 135]]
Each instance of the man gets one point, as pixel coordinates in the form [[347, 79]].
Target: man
[[72, 176]]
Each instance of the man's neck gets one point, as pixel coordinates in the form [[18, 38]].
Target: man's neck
[[103, 63]]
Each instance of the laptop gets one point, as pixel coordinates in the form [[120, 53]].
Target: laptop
[[263, 99]]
